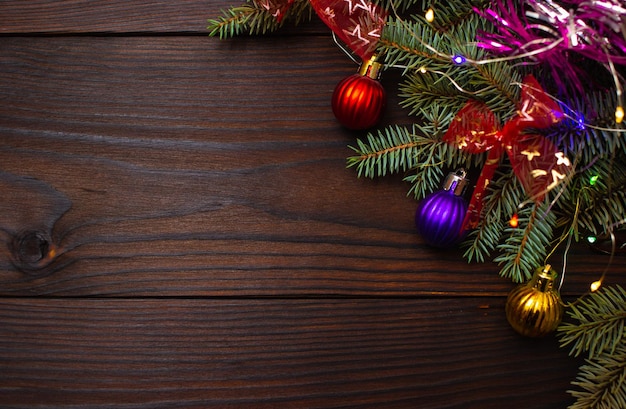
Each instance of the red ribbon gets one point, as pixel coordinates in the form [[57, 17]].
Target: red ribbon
[[358, 23], [276, 8], [536, 161]]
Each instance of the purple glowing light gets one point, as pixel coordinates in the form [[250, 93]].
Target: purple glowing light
[[459, 59]]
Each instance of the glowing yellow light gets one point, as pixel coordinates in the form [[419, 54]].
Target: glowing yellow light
[[423, 70], [430, 15], [619, 114], [595, 285], [514, 222]]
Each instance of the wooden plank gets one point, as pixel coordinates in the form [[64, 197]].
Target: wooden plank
[[361, 353], [174, 166], [184, 192], [116, 16]]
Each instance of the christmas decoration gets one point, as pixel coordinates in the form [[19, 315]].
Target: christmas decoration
[[541, 80], [548, 33], [276, 8], [439, 216], [536, 161], [358, 23], [535, 309], [359, 100]]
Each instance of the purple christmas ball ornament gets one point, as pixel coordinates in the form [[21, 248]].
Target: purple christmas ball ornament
[[439, 216]]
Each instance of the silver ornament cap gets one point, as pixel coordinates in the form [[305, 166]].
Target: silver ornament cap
[[456, 182]]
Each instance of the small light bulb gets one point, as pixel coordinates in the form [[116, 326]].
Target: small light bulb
[[593, 179], [581, 123], [592, 239], [430, 15], [458, 59], [595, 286], [514, 221], [423, 70], [619, 114]]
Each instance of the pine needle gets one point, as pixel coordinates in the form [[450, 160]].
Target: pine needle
[[600, 319], [602, 382]]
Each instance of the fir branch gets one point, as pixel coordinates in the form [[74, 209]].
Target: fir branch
[[526, 246], [589, 131], [499, 85], [602, 202], [453, 12], [397, 5], [300, 11], [481, 241], [429, 170], [503, 191], [435, 157], [254, 19], [392, 150], [603, 382], [420, 91], [598, 330], [600, 323], [399, 149], [608, 210], [411, 43], [238, 20], [433, 78]]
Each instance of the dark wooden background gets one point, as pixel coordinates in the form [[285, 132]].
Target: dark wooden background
[[178, 230]]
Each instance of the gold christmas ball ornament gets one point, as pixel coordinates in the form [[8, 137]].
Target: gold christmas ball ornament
[[535, 309]]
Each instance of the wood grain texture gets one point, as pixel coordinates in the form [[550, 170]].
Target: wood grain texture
[[178, 230], [179, 158], [122, 17], [76, 16], [432, 353]]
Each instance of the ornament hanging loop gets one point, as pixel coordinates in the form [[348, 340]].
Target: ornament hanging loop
[[344, 49], [545, 278], [456, 182], [371, 68]]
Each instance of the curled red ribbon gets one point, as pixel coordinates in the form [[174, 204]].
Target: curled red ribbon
[[358, 23], [536, 161]]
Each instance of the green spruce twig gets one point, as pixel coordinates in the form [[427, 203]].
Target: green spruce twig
[[602, 382], [526, 245], [253, 19], [501, 194], [599, 327], [391, 150], [599, 331]]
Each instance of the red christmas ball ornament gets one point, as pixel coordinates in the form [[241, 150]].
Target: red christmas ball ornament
[[359, 100]]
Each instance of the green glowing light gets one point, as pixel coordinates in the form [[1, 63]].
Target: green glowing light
[[592, 239], [593, 180]]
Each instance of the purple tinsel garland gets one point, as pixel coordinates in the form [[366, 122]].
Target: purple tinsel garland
[[548, 33]]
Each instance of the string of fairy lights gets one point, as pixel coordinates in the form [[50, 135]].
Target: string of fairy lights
[[552, 14], [572, 33], [561, 31]]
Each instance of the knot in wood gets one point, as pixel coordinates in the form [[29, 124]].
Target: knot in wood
[[32, 250]]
